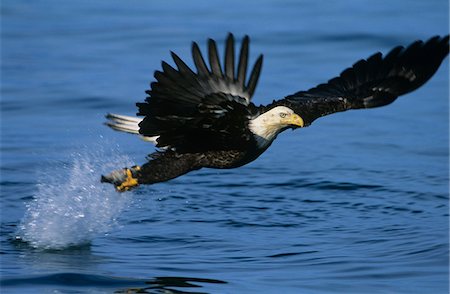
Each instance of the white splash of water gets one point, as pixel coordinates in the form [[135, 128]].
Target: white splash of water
[[71, 206]]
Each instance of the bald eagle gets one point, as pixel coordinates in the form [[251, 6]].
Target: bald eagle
[[206, 118]]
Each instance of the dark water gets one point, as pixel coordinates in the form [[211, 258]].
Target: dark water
[[357, 203]]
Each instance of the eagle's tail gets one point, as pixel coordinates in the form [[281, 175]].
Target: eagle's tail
[[127, 124]]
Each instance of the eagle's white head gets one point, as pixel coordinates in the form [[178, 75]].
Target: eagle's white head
[[268, 125]]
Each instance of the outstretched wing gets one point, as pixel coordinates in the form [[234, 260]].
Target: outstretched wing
[[372, 82], [204, 110]]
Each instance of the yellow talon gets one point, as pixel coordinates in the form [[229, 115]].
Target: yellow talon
[[129, 182], [123, 179]]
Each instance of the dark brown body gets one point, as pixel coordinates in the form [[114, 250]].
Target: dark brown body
[[156, 170]]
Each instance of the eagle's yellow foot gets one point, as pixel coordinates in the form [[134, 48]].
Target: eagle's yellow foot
[[123, 179]]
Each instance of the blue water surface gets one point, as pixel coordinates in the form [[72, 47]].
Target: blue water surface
[[356, 203]]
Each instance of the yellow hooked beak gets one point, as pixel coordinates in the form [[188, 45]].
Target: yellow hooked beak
[[294, 120]]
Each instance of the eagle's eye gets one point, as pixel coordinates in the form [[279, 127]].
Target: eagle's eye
[[283, 114]]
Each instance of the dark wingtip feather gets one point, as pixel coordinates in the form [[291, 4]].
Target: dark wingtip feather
[[254, 76], [229, 57], [158, 74], [182, 67], [169, 70], [214, 58], [445, 40], [200, 64], [243, 61]]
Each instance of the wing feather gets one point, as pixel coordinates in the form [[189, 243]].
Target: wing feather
[[254, 76], [373, 82], [202, 110], [214, 59], [202, 69], [243, 61], [229, 57]]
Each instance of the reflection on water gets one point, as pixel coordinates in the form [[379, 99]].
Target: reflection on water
[[168, 285]]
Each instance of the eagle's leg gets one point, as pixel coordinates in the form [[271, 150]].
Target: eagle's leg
[[163, 166]]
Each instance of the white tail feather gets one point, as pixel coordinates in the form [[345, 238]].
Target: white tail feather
[[127, 124]]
